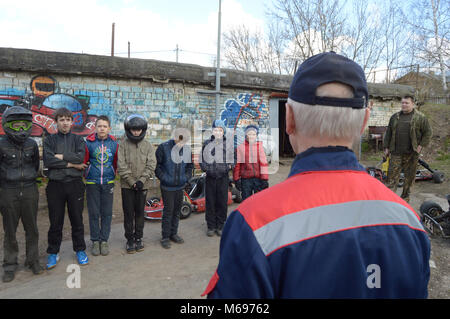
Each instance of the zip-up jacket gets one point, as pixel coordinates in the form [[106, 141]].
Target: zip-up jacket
[[102, 158], [329, 231], [251, 162], [73, 148], [19, 164], [216, 166], [135, 162], [420, 131], [173, 174]]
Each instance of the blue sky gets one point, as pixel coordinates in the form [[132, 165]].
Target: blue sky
[[84, 26]]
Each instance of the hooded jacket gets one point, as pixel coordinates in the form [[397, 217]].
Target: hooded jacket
[[251, 162], [333, 232], [102, 158], [216, 166], [173, 175]]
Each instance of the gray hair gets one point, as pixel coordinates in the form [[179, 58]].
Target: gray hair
[[328, 122]]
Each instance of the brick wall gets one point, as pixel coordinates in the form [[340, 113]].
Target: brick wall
[[165, 105]]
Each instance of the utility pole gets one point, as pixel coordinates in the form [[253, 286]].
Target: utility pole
[[112, 40], [176, 50], [128, 49], [218, 61]]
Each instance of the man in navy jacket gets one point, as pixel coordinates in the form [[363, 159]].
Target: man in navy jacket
[[174, 170], [330, 230]]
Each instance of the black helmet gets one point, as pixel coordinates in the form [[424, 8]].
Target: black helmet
[[15, 114], [135, 122]]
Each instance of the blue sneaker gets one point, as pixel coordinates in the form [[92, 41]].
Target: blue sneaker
[[82, 258], [52, 260]]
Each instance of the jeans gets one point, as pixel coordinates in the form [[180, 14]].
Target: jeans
[[133, 204], [171, 214], [19, 204], [100, 202], [58, 195]]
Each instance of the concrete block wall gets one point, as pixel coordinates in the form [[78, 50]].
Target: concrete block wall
[[165, 105]]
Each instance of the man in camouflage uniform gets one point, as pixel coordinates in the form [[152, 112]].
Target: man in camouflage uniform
[[407, 134]]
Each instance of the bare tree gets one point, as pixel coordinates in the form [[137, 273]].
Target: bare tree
[[430, 22], [313, 26], [363, 43]]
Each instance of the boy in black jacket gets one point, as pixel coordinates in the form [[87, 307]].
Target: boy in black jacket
[[19, 167], [217, 158], [174, 170], [63, 156]]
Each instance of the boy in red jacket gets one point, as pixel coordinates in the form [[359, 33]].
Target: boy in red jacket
[[251, 171]]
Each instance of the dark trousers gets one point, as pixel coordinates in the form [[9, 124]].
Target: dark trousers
[[58, 195], [19, 204], [171, 213], [133, 204], [216, 193], [100, 203], [250, 186]]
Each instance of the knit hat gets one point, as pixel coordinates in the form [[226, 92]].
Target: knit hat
[[219, 123], [251, 127]]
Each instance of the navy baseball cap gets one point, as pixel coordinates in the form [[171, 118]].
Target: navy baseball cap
[[324, 68]]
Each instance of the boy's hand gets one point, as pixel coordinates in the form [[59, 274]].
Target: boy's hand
[[80, 167], [59, 156], [138, 186]]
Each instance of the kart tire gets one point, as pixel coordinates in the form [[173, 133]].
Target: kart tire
[[186, 210], [401, 181], [430, 208], [438, 177], [238, 195]]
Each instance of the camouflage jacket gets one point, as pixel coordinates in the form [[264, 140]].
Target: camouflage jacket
[[420, 131]]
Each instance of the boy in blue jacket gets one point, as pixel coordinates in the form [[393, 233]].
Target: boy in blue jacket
[[101, 154], [173, 169]]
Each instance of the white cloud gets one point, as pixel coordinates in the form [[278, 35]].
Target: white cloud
[[85, 26]]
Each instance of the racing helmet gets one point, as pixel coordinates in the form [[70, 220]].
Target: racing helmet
[[135, 122], [13, 115]]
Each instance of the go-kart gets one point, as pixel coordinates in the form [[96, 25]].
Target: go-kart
[[421, 174], [193, 199], [435, 220]]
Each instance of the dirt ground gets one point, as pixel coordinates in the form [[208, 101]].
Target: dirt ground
[[181, 272]]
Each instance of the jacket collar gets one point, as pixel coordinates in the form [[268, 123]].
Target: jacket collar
[[330, 158], [93, 137]]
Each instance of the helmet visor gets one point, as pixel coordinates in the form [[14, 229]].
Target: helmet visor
[[19, 125]]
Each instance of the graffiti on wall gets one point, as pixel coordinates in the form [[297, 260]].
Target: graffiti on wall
[[245, 109], [164, 107], [43, 101]]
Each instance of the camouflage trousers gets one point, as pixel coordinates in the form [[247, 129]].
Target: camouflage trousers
[[406, 163]]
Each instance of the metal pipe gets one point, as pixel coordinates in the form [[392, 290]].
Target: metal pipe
[[218, 62]]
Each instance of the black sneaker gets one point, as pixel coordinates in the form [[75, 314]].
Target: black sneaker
[[219, 232], [131, 248], [139, 245], [165, 242], [8, 276], [210, 232], [176, 239]]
